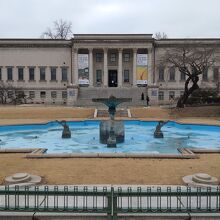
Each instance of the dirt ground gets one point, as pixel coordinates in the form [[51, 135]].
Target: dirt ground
[[106, 170], [110, 171]]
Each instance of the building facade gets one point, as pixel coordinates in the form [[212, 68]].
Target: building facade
[[72, 72]]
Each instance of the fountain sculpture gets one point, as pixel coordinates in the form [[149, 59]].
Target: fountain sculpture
[[66, 130], [158, 133], [112, 131]]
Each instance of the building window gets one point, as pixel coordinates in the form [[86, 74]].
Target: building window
[[113, 57], [98, 76], [126, 76], [53, 72], [43, 94], [64, 74], [53, 94], [172, 73], [216, 74], [42, 73], [126, 57], [32, 94], [20, 73], [0, 73], [64, 94], [205, 75], [98, 57], [171, 95], [161, 95], [182, 77], [161, 73], [9, 73], [31, 73]]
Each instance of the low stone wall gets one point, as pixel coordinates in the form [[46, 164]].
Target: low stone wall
[[69, 216]]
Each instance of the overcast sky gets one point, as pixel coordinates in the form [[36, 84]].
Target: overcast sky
[[177, 18]]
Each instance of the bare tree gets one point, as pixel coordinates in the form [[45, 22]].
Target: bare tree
[[160, 35], [12, 95], [61, 30], [5, 91], [191, 62]]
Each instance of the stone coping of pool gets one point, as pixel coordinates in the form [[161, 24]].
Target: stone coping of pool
[[192, 121], [40, 153]]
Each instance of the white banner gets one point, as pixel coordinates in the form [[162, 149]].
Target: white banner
[[83, 69], [141, 59], [141, 70], [83, 61]]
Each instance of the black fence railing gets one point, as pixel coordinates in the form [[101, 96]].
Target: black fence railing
[[110, 200]]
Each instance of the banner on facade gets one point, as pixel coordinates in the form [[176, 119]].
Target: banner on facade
[[83, 69], [142, 69]]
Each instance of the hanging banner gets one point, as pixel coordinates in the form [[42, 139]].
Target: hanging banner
[[83, 69], [142, 69]]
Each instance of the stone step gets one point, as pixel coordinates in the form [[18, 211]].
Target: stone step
[[119, 113], [89, 102]]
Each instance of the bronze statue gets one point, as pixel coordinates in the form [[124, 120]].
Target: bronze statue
[[158, 133], [111, 131], [66, 130]]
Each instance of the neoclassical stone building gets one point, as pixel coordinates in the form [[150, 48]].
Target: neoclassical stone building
[[72, 72]]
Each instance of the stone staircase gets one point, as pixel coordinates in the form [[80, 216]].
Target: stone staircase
[[119, 113], [86, 94]]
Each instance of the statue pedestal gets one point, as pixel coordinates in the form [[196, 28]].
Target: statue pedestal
[[105, 128], [158, 134]]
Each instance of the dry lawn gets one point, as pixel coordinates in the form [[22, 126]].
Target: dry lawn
[[110, 171]]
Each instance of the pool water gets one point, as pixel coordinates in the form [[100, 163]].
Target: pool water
[[85, 137]]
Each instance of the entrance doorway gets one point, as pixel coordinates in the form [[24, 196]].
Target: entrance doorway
[[112, 78]]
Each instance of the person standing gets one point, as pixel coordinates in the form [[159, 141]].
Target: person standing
[[147, 100]]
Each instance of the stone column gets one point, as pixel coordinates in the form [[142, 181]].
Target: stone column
[[90, 67], [134, 66], [75, 66], [120, 67], [149, 66], [105, 67]]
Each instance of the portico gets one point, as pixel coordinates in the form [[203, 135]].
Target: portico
[[112, 60]]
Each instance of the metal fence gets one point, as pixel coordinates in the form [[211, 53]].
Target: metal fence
[[110, 200]]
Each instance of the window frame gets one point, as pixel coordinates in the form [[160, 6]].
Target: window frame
[[31, 74], [10, 73], [64, 96], [20, 74], [182, 76], [205, 75], [62, 74], [172, 74], [98, 57], [216, 74], [53, 94], [161, 70], [126, 71], [113, 57], [171, 95], [43, 96], [159, 95], [98, 71], [42, 73], [127, 58], [32, 94], [53, 73]]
